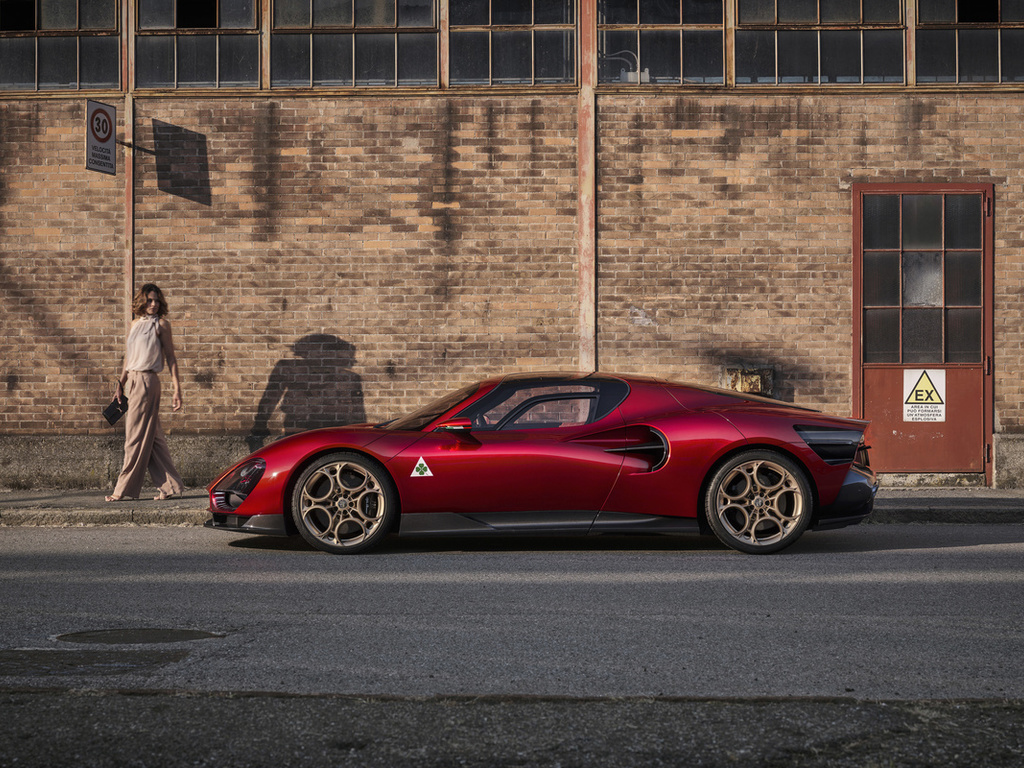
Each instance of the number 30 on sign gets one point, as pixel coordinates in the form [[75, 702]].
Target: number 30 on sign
[[101, 125]]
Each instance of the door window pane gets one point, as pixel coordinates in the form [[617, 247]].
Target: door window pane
[[963, 335], [963, 279], [659, 54], [922, 221], [922, 336], [58, 62], [332, 60], [881, 336], [922, 279], [963, 221], [881, 221], [840, 57], [881, 279]]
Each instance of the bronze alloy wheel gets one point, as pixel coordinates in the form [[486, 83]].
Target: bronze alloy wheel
[[758, 502], [344, 503]]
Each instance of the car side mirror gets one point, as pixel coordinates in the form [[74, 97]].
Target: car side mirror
[[455, 425]]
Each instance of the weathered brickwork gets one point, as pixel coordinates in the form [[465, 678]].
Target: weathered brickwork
[[333, 259], [325, 260], [726, 232], [61, 271]]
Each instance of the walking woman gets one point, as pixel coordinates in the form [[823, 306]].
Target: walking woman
[[149, 345]]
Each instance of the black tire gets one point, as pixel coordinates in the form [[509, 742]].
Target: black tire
[[344, 503], [759, 502]]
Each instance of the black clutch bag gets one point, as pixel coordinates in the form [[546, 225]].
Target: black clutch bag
[[113, 412]]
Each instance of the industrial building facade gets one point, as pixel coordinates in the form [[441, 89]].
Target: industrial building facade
[[355, 205]]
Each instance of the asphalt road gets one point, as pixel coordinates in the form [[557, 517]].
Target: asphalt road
[[875, 645]]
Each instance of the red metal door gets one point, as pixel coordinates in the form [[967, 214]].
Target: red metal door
[[923, 320]]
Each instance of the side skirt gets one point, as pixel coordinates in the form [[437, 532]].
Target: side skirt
[[572, 523]]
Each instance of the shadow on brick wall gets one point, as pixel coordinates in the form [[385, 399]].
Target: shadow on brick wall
[[182, 166], [315, 388]]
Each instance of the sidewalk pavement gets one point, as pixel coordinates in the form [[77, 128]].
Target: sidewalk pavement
[[67, 508]]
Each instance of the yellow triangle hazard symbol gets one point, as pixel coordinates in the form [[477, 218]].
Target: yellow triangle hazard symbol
[[924, 392]]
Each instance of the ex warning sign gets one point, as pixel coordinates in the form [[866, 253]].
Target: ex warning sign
[[924, 395]]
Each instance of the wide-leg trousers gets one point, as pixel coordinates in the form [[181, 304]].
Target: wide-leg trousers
[[145, 447]]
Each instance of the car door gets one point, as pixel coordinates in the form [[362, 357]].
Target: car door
[[535, 455]]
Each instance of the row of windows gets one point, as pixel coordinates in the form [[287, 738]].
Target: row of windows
[[75, 44]]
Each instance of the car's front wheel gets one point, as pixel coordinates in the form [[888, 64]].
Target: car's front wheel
[[758, 502], [344, 503]]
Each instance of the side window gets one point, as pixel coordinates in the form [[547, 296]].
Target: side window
[[551, 412], [545, 404]]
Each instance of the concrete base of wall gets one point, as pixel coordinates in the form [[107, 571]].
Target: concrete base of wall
[[84, 461]]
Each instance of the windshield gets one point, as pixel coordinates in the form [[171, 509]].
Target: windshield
[[419, 419]]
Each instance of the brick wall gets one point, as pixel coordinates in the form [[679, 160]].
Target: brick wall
[[61, 271], [324, 260], [725, 228], [404, 246]]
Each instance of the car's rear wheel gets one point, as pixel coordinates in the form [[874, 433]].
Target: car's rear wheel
[[759, 502], [344, 503]]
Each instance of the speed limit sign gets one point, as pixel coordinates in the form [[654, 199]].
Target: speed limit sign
[[101, 127]]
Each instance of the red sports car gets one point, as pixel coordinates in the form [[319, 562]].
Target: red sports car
[[560, 454]]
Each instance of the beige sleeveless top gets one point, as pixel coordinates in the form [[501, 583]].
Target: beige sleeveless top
[[145, 353]]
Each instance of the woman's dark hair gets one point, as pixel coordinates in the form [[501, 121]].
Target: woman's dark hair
[[139, 303]]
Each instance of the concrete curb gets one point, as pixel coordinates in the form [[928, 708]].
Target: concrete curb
[[87, 508]]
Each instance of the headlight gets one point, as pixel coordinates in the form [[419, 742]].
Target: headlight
[[229, 493]]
